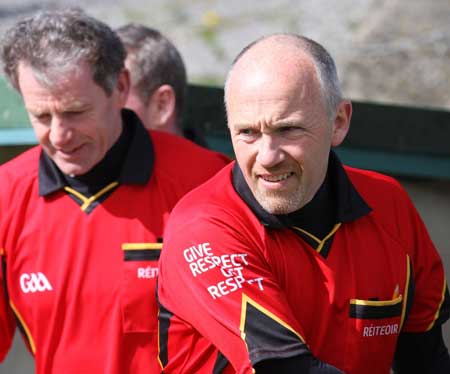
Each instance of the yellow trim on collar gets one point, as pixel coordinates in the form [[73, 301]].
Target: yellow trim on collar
[[88, 201]]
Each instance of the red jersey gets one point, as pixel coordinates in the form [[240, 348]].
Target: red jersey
[[79, 272], [256, 289]]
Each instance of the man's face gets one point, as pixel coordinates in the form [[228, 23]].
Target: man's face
[[74, 120], [281, 134]]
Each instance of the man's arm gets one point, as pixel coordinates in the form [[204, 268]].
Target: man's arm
[[420, 346], [422, 353]]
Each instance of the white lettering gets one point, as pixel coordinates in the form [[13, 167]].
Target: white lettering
[[197, 251], [226, 287], [34, 282], [380, 330], [202, 265], [216, 260], [230, 272], [147, 272], [226, 261], [214, 292], [259, 281], [194, 269]]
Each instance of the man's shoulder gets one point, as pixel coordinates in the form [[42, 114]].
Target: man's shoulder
[[183, 161], [373, 183], [389, 201], [184, 149], [18, 175], [213, 192], [25, 165], [215, 199]]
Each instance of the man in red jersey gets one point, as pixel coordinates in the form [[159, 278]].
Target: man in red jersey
[[83, 213], [287, 261]]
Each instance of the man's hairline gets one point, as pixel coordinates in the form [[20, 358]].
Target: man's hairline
[[74, 66]]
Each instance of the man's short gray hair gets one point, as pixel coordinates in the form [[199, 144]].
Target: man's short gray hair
[[154, 61], [57, 41]]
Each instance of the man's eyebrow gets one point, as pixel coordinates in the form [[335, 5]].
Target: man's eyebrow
[[76, 105], [243, 125], [287, 122], [72, 106], [36, 111]]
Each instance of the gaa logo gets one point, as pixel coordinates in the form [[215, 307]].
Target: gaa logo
[[34, 282]]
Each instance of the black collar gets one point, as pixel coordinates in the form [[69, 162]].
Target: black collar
[[349, 205], [135, 168]]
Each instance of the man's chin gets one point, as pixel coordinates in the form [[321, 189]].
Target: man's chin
[[279, 205], [71, 170]]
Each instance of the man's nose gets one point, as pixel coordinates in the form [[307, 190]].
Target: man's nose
[[60, 132], [270, 152]]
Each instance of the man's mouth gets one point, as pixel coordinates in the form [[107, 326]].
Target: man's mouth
[[70, 151], [276, 178]]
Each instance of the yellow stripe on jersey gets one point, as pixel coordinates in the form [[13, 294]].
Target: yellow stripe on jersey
[[25, 327], [247, 300], [140, 246], [377, 302], [405, 302], [439, 307]]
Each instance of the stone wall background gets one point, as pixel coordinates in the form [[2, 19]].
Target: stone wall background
[[394, 51]]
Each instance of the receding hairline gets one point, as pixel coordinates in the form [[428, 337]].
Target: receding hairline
[[295, 45], [299, 49]]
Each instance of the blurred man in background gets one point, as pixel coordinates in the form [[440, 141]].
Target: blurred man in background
[[158, 80]]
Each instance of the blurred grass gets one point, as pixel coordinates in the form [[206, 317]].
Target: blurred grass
[[12, 111]]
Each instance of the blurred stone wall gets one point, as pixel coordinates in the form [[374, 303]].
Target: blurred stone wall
[[394, 51]]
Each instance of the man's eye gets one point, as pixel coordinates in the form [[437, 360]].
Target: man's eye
[[291, 130], [288, 128], [42, 117], [73, 113]]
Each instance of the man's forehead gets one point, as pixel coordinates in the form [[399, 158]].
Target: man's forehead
[[271, 63], [64, 90], [271, 82]]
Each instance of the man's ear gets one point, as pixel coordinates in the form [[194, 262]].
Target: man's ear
[[341, 123], [123, 87], [163, 106]]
